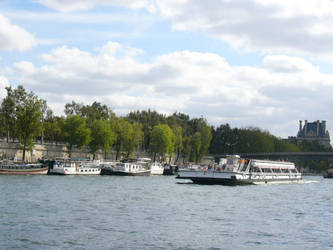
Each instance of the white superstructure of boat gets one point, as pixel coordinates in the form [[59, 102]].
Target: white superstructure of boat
[[128, 168], [156, 168], [244, 171], [72, 167]]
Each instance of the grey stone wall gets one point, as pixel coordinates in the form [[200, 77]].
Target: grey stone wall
[[50, 150]]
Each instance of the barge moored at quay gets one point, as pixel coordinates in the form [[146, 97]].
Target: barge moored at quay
[[238, 171], [11, 168], [74, 167], [328, 173], [125, 169]]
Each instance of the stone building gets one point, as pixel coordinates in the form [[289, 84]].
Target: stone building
[[312, 131]]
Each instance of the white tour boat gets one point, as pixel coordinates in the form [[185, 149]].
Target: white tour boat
[[156, 168], [69, 167], [244, 171]]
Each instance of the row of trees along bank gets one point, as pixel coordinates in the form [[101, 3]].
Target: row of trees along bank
[[26, 117]]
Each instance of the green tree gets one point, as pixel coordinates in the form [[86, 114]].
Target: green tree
[[73, 109], [224, 140], [53, 129], [196, 147], [178, 136], [102, 137], [8, 112], [29, 115], [46, 113], [76, 133], [148, 119], [128, 136], [134, 139], [162, 141], [201, 130], [96, 111]]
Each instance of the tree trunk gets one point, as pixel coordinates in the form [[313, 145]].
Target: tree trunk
[[42, 139], [154, 156], [69, 151], [177, 157], [7, 133], [23, 157]]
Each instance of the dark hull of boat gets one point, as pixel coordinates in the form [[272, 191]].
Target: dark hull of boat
[[216, 181], [328, 175], [169, 172], [122, 173], [232, 182]]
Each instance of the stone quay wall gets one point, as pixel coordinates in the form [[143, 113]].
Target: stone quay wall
[[46, 150], [50, 150]]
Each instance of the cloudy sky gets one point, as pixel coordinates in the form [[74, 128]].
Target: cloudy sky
[[265, 63]]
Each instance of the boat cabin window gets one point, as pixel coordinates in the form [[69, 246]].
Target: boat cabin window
[[266, 170], [245, 164], [254, 169], [232, 161]]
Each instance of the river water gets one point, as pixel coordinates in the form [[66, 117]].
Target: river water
[[154, 212]]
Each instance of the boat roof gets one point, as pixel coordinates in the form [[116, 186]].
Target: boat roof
[[273, 164]]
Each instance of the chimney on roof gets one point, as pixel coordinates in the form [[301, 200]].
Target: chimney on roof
[[317, 128], [306, 128], [300, 125], [324, 126]]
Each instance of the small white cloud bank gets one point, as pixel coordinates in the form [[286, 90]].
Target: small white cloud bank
[[3, 84], [13, 37]]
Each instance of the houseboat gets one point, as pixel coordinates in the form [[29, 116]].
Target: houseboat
[[22, 169], [107, 167], [126, 168], [237, 171], [156, 168], [170, 169], [328, 173], [75, 167]]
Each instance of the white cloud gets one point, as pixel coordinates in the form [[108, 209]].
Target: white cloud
[[3, 83], [269, 26], [72, 5], [286, 64], [14, 37], [199, 84]]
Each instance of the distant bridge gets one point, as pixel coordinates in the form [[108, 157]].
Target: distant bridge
[[284, 155]]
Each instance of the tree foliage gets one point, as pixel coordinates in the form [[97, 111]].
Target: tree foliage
[[28, 112], [162, 141], [148, 119], [102, 136], [247, 140], [76, 133], [128, 136]]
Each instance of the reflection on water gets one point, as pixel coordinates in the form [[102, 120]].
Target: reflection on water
[[99, 212]]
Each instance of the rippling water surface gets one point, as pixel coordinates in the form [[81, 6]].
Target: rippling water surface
[[108, 212]]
